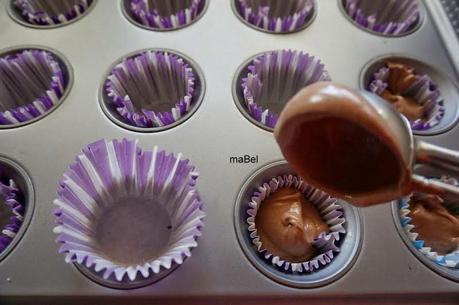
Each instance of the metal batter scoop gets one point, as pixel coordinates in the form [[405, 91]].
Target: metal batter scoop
[[318, 102]]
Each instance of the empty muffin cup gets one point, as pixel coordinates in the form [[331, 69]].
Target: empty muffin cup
[[128, 214], [320, 226], [442, 243], [427, 97], [12, 209], [384, 17], [164, 15], [49, 13], [268, 81], [16, 205], [152, 90], [276, 16], [32, 83]]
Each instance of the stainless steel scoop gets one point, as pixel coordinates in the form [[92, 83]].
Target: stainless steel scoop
[[414, 151], [380, 119]]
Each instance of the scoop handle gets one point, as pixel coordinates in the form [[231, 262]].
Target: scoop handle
[[437, 156], [442, 158]]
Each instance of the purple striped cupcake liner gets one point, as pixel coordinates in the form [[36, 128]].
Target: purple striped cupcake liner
[[9, 199], [31, 83], [166, 15], [126, 213], [276, 16], [51, 12], [450, 260], [152, 89], [331, 212], [386, 17], [424, 91], [273, 78]]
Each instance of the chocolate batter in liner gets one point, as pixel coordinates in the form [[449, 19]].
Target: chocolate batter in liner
[[442, 251], [415, 95], [326, 244]]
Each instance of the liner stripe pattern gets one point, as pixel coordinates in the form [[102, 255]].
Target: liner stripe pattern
[[31, 83], [179, 12], [387, 17], [329, 209], [275, 77], [424, 91], [450, 260], [45, 12], [268, 15], [152, 80], [107, 170], [9, 195]]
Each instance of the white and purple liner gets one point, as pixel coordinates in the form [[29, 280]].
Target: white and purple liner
[[152, 89], [276, 16], [10, 198], [110, 172], [166, 15], [51, 12], [385, 17], [331, 212], [31, 83], [273, 78]]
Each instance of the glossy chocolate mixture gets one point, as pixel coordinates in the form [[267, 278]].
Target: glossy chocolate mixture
[[401, 77], [338, 143], [288, 224], [437, 226]]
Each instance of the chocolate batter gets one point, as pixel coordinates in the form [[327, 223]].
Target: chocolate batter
[[401, 77], [288, 224], [434, 223], [338, 143]]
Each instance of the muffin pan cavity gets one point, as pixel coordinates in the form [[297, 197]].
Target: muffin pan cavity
[[334, 266], [46, 14], [433, 87], [16, 205]]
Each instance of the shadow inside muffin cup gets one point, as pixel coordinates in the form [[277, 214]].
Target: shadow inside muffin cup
[[447, 113], [152, 90], [276, 17], [385, 18], [158, 15], [34, 81], [23, 205], [46, 14], [264, 83], [349, 245]]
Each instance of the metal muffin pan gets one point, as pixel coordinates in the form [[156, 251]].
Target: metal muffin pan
[[218, 270]]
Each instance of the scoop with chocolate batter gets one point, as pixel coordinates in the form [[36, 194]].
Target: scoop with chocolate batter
[[401, 78], [288, 224]]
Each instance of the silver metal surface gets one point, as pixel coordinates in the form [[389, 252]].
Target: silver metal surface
[[198, 93], [349, 247], [67, 71], [445, 15], [16, 14], [218, 269]]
